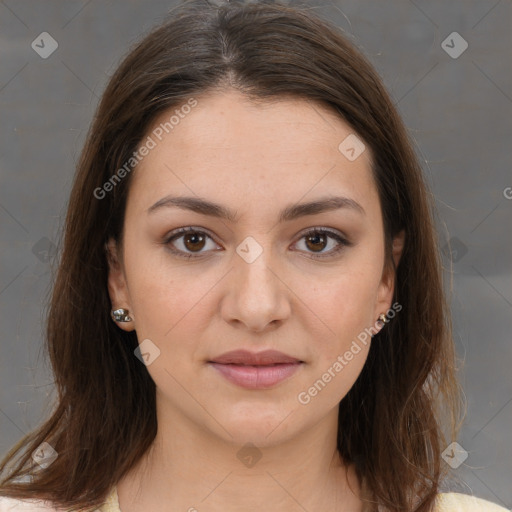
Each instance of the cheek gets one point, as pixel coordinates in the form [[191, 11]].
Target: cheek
[[164, 297], [345, 307]]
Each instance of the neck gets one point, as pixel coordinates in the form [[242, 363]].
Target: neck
[[190, 469]]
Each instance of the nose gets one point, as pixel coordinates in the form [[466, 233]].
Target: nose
[[257, 296]]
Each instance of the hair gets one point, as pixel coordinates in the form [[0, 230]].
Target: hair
[[392, 420]]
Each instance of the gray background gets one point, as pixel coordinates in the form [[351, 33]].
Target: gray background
[[457, 109]]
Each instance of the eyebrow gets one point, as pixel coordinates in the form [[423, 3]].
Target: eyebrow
[[291, 212]]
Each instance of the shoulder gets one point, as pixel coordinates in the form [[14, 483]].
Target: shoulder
[[456, 502], [38, 505], [25, 505]]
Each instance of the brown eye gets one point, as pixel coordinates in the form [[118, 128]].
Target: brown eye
[[187, 242], [317, 240], [194, 241]]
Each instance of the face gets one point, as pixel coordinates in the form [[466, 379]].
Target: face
[[273, 275]]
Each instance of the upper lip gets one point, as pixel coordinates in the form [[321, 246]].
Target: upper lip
[[266, 357]]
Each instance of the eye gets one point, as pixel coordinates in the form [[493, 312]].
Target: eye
[[317, 239], [194, 240]]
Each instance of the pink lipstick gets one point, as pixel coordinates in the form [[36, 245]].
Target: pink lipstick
[[259, 370]]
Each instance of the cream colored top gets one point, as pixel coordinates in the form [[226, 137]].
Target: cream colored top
[[446, 502]]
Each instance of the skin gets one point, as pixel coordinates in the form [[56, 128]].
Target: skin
[[255, 160]]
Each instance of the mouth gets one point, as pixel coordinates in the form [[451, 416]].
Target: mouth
[[260, 370]]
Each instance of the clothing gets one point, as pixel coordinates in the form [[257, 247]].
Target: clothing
[[446, 502]]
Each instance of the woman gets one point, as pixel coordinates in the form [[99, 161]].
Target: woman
[[300, 356]]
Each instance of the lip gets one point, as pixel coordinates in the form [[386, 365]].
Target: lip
[[266, 357], [260, 370]]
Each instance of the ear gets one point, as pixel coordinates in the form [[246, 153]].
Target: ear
[[117, 287], [387, 284]]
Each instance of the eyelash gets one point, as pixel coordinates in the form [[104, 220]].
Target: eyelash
[[178, 233]]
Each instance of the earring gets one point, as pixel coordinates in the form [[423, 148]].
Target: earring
[[383, 318], [120, 315]]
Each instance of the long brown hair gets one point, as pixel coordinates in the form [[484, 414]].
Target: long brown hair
[[391, 421]]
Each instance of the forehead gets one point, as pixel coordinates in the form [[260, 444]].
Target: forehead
[[230, 149]]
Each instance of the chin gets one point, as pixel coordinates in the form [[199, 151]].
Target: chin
[[263, 426]]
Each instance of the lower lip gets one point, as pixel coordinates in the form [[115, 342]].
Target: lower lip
[[256, 377]]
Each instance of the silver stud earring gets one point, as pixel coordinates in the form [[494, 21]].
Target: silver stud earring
[[383, 318], [120, 315]]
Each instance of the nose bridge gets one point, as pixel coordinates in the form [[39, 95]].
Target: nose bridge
[[254, 263], [257, 296]]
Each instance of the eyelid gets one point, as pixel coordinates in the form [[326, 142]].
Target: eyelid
[[324, 229], [340, 237], [179, 232]]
